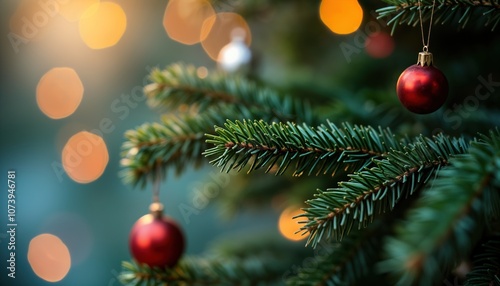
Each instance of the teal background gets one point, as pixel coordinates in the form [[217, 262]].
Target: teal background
[[93, 219]]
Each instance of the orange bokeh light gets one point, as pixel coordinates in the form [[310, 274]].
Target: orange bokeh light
[[341, 16], [217, 30], [49, 257], [85, 157], [59, 92], [102, 25], [289, 226], [183, 20], [74, 10]]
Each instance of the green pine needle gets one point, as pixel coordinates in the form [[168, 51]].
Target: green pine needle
[[312, 151], [333, 213], [181, 85], [461, 12], [449, 218], [486, 271]]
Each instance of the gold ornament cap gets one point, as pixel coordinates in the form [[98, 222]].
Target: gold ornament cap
[[424, 59], [156, 209]]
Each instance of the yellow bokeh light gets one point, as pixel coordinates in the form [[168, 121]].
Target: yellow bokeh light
[[59, 92], [49, 257], [341, 16], [85, 157], [73, 10], [289, 226], [217, 30], [102, 25], [183, 20]]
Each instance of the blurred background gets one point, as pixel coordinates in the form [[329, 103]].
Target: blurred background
[[73, 66]]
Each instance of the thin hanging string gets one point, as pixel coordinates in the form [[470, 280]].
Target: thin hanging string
[[426, 46], [156, 186]]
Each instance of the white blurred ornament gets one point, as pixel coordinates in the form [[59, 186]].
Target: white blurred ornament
[[235, 55]]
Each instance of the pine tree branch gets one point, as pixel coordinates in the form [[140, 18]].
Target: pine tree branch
[[346, 262], [248, 260], [486, 271], [198, 272], [173, 143], [485, 12], [449, 217], [179, 85], [321, 150], [372, 191]]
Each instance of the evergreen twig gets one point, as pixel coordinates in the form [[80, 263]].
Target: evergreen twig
[[173, 143], [179, 85], [321, 150], [247, 260], [343, 263], [375, 190], [486, 12], [486, 271], [449, 218]]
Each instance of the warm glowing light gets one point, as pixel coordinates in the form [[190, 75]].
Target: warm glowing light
[[74, 10], [49, 257], [379, 45], [202, 72], [183, 20], [85, 157], [102, 26], [341, 16], [59, 92], [217, 32], [288, 226], [236, 54]]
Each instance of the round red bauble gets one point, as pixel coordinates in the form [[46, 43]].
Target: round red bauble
[[156, 240], [422, 89]]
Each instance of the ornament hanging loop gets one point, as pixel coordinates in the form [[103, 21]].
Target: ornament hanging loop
[[424, 44], [156, 185], [156, 208]]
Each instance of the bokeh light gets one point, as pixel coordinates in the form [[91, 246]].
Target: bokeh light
[[85, 157], [217, 32], [379, 45], [202, 72], [59, 92], [183, 20], [102, 25], [236, 54], [74, 10], [49, 257], [341, 16], [289, 226]]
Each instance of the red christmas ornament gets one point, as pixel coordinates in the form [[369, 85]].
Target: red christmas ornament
[[422, 88], [156, 240]]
